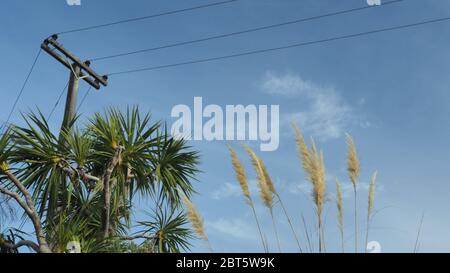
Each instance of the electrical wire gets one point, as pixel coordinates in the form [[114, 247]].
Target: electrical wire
[[57, 102], [226, 35], [84, 98], [147, 17], [60, 97], [281, 47], [19, 95]]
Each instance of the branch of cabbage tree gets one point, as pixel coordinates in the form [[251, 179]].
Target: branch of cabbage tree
[[72, 171], [16, 197], [106, 178], [20, 244], [139, 236], [28, 206]]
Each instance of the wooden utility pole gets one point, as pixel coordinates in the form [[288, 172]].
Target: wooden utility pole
[[71, 100], [78, 70]]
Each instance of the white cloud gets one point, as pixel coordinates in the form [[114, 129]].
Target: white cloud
[[287, 85], [236, 228], [326, 114], [347, 188], [229, 190], [226, 191], [300, 188]]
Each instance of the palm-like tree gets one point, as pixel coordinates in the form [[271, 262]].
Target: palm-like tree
[[167, 229], [13, 188], [83, 181]]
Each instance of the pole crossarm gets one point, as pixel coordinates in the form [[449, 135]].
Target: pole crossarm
[[65, 57]]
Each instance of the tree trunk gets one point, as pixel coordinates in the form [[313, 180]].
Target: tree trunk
[[28, 206], [106, 207], [107, 193], [20, 244]]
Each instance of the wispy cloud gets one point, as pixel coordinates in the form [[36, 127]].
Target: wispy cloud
[[230, 190], [227, 190], [288, 85], [236, 228], [300, 188], [305, 188], [326, 114]]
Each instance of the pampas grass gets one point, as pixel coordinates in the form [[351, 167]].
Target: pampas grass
[[275, 192], [307, 235], [340, 209], [313, 165], [266, 187], [353, 165], [240, 174], [353, 168], [242, 179], [263, 185], [264, 178], [416, 245], [196, 220], [312, 162], [371, 200]]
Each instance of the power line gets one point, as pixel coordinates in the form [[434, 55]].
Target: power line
[[301, 20], [5, 123], [148, 17], [21, 90], [84, 98], [57, 102], [281, 47], [60, 97]]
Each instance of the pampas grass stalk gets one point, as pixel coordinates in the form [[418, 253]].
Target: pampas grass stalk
[[196, 220], [275, 229], [340, 209], [290, 223], [265, 187], [277, 195], [273, 191], [371, 200], [353, 168], [242, 179], [314, 167], [416, 245], [264, 190], [308, 237]]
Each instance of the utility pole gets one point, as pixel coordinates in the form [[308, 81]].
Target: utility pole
[[72, 93], [78, 70]]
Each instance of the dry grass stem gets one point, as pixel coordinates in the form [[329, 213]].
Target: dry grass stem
[[371, 200], [265, 185], [353, 165], [196, 220], [353, 168], [340, 209], [240, 174], [264, 189], [242, 179], [314, 167]]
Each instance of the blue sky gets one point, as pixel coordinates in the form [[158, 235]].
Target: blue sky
[[389, 90]]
